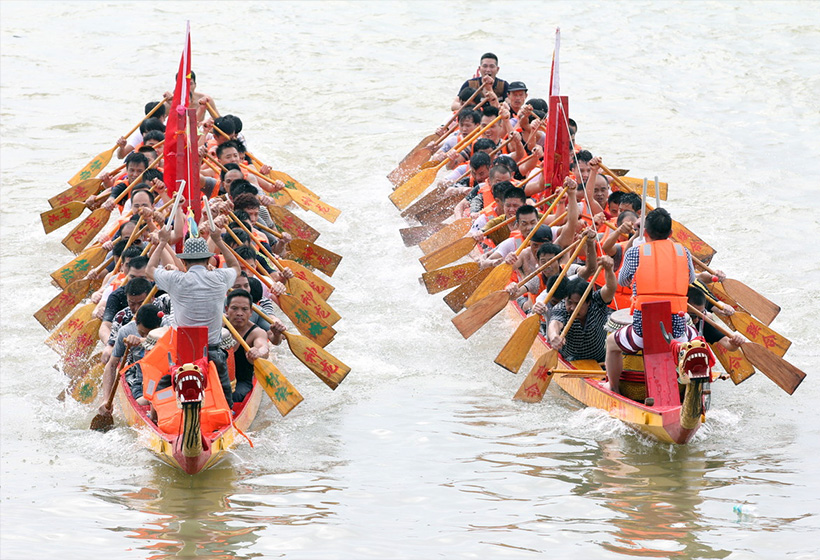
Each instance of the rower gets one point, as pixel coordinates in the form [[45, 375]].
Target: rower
[[238, 312], [630, 201], [135, 164], [662, 270], [526, 218], [516, 98], [485, 199], [127, 145], [579, 166], [488, 68], [197, 295], [586, 339]]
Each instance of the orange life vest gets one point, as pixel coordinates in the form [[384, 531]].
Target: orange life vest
[[215, 413], [663, 274], [486, 192]]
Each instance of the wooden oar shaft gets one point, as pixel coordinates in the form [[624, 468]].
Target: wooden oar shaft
[[147, 116], [703, 265], [235, 334], [273, 232], [623, 186], [266, 281], [257, 243], [723, 330]]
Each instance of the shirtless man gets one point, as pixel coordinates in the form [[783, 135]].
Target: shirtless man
[[238, 311]]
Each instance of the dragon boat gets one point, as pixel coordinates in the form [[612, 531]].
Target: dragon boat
[[194, 427], [653, 402]]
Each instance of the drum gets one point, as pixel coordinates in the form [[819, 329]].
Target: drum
[[618, 319], [153, 337]]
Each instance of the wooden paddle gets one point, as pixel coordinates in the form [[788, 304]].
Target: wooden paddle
[[785, 375], [478, 314], [79, 238], [56, 218], [325, 365], [98, 163], [758, 305], [296, 285], [285, 397], [86, 388], [754, 330], [50, 315], [446, 278], [104, 421], [500, 276], [80, 346], [535, 385], [292, 224], [734, 362], [315, 256], [455, 299], [450, 233], [61, 336], [418, 183], [79, 266], [518, 346], [414, 235], [322, 288], [303, 315], [81, 192]]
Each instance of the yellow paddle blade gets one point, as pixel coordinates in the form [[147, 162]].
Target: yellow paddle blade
[[497, 280], [756, 331], [785, 375], [447, 254], [449, 234], [518, 346], [307, 202], [281, 198], [318, 360], [76, 370], [79, 348], [476, 316], [315, 256], [290, 182], [60, 216], [302, 291], [81, 236], [535, 385], [305, 318], [424, 202], [62, 335], [60, 305], [440, 210], [446, 278], [80, 266], [412, 188], [756, 304], [80, 192], [93, 168], [322, 288], [455, 299], [289, 222], [734, 362], [86, 389], [410, 165], [636, 185], [285, 397], [695, 244]]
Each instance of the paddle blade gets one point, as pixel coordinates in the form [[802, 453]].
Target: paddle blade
[[291, 183], [79, 267], [785, 375], [93, 167], [62, 335], [306, 320], [410, 165], [318, 360], [60, 216], [497, 279], [734, 362], [81, 236], [446, 278], [86, 388], [80, 192], [535, 385], [455, 299], [285, 397], [424, 202], [439, 211], [695, 244], [449, 234], [322, 288], [756, 304], [281, 198], [518, 346], [307, 202], [447, 254], [60, 305], [80, 346], [289, 222], [416, 234], [637, 186], [315, 256], [476, 316], [757, 332], [300, 290], [412, 188]]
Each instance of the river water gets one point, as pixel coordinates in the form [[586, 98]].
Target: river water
[[421, 453]]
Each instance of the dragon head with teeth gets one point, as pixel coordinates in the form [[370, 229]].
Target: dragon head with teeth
[[694, 359], [189, 384]]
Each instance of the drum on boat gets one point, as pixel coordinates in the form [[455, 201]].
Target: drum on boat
[[153, 337], [618, 319]]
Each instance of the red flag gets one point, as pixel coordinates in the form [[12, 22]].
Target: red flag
[[178, 148], [556, 158]]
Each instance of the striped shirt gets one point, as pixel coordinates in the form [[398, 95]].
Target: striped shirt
[[585, 341], [632, 259]]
